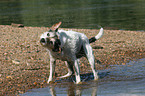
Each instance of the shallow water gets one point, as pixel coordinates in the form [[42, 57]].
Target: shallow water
[[120, 80], [116, 14]]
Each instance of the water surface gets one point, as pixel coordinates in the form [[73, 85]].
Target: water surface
[[115, 14], [121, 80]]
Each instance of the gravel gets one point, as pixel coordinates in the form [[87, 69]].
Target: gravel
[[24, 63]]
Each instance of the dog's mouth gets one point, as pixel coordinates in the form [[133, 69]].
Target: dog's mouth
[[56, 47], [56, 50]]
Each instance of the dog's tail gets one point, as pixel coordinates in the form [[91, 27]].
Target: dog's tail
[[98, 36]]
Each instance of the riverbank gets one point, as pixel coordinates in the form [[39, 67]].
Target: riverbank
[[24, 64]]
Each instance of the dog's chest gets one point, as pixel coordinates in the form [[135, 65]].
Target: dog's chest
[[60, 56], [66, 54]]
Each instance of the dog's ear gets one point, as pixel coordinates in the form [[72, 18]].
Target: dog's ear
[[55, 27]]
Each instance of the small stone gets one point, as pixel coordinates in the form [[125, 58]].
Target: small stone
[[5, 54], [16, 61], [9, 77], [35, 83], [17, 25], [27, 64], [21, 92]]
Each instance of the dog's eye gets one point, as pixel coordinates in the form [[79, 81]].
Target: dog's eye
[[50, 42], [50, 30], [48, 34]]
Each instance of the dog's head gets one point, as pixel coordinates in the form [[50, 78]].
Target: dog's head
[[51, 39]]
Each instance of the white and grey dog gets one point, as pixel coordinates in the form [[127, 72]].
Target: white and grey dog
[[69, 46]]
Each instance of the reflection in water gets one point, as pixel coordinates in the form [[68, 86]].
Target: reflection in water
[[76, 90], [52, 91], [67, 86]]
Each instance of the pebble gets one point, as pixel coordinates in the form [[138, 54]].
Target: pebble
[[16, 61], [9, 77]]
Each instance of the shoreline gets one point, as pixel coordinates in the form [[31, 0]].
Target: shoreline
[[25, 64]]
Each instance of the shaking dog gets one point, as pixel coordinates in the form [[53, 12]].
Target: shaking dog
[[69, 46]]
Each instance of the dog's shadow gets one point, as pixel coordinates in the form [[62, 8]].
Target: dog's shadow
[[90, 76], [84, 77]]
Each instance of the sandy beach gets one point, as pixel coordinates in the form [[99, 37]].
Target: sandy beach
[[24, 63]]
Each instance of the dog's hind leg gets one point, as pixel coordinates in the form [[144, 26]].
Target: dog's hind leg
[[70, 70], [90, 56], [77, 71]]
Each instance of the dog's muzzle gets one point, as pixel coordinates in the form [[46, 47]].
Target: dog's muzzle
[[56, 44]]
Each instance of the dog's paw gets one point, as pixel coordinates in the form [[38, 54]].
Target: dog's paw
[[50, 82], [78, 83], [96, 79]]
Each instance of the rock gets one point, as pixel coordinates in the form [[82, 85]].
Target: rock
[[16, 61], [9, 77], [17, 25]]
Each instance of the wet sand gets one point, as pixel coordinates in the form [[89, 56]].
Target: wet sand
[[24, 63]]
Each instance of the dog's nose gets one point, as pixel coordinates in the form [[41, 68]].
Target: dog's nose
[[42, 40]]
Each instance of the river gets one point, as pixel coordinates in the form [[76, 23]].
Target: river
[[87, 14]]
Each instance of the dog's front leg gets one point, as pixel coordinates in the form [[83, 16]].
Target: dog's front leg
[[52, 69], [77, 71]]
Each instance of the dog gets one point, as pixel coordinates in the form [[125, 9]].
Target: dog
[[69, 46]]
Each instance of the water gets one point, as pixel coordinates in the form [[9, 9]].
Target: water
[[113, 14], [120, 80]]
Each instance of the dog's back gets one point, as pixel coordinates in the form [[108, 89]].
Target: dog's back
[[72, 40]]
